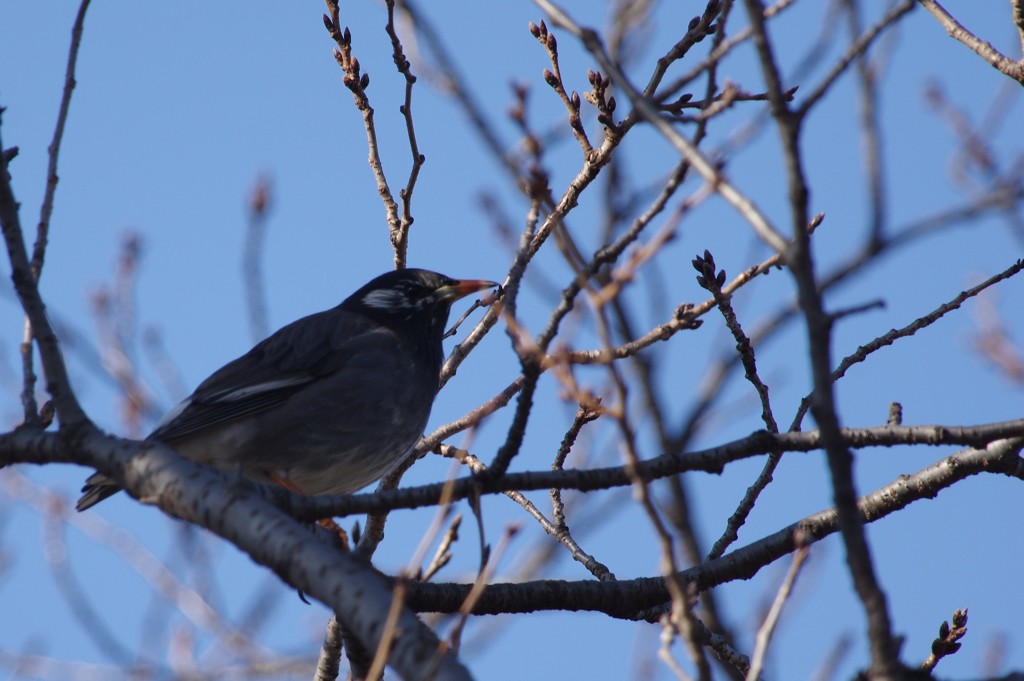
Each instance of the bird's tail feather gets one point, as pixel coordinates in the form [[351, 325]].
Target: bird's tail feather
[[97, 488]]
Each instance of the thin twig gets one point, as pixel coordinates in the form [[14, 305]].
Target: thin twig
[[681, 619], [357, 82], [482, 579], [28, 399], [887, 339], [46, 211], [719, 52], [771, 621], [443, 555], [646, 109], [622, 597], [884, 658], [712, 280], [554, 79], [594, 566], [400, 240], [983, 49], [69, 411], [948, 640]]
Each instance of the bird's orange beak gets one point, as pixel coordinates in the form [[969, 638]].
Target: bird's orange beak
[[460, 289]]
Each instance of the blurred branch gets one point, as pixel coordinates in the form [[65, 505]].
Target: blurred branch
[[870, 126], [114, 311], [455, 84], [42, 667], [192, 606], [884, 655], [252, 270], [854, 52], [992, 342], [761, 225], [234, 510], [767, 628]]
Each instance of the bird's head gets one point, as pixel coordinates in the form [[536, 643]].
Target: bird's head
[[413, 299]]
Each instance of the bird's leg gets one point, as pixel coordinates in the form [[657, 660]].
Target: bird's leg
[[326, 523]]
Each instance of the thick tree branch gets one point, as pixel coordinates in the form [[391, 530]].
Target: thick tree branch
[[234, 510], [645, 598]]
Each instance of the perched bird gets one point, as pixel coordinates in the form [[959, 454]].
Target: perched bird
[[327, 404]]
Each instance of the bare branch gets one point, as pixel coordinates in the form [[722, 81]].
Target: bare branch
[[68, 409], [762, 227], [980, 47], [884, 659], [948, 640], [357, 82], [400, 241], [892, 336], [711, 460], [46, 211], [767, 628], [621, 598], [329, 660]]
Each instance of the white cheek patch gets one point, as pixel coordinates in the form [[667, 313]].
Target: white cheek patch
[[385, 299]]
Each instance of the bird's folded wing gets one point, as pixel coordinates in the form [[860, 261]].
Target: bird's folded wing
[[288, 361]]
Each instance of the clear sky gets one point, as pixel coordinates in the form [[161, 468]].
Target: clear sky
[[180, 107]]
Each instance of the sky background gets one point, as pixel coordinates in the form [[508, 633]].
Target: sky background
[[180, 107]]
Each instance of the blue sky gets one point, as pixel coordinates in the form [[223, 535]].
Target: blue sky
[[181, 106]]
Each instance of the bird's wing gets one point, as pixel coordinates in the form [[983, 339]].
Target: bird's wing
[[288, 361]]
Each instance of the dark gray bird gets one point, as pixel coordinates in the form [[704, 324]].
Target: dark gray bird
[[329, 403]]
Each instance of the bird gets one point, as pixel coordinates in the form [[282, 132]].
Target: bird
[[327, 404]]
